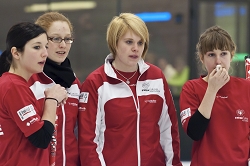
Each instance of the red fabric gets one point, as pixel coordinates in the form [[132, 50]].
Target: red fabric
[[17, 123], [225, 141], [115, 130], [67, 119]]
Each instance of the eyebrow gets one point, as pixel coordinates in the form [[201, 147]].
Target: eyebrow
[[35, 43], [132, 39], [128, 38], [56, 34]]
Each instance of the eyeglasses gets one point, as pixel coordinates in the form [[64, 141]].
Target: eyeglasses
[[67, 40]]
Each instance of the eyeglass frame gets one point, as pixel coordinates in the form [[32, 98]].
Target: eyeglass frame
[[61, 39]]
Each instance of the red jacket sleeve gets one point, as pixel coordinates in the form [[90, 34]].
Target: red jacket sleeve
[[88, 131], [174, 127], [189, 103]]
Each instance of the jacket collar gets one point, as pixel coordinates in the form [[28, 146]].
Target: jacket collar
[[110, 71]]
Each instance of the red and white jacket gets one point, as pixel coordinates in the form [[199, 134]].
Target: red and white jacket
[[118, 128], [67, 114]]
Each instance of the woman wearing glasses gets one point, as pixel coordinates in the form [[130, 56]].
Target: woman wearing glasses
[[57, 70]]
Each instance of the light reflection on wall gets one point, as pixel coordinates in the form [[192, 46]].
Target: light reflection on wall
[[222, 9]]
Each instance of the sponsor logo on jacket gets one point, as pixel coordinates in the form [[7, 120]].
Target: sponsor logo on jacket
[[82, 108], [146, 87], [33, 120], [73, 104], [84, 96], [240, 115], [73, 91], [150, 101], [26, 112], [185, 114]]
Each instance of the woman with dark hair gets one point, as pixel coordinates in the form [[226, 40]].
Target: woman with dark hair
[[25, 128]]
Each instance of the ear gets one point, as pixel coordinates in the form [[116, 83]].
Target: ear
[[201, 58], [15, 53]]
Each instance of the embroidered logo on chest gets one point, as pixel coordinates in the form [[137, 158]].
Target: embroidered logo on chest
[[240, 115], [146, 87]]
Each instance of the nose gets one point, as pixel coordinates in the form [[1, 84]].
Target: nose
[[62, 44], [45, 53], [135, 48], [218, 60]]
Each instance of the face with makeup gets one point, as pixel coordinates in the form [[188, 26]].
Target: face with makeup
[[215, 47], [32, 59], [216, 57], [129, 51], [59, 50]]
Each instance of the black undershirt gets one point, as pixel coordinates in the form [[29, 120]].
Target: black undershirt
[[42, 137], [197, 126]]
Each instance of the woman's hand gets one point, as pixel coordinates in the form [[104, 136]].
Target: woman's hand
[[218, 79], [58, 92]]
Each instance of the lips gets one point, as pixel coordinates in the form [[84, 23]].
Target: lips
[[133, 56], [42, 62], [61, 52]]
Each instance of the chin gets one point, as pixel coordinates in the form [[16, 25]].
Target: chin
[[39, 71], [60, 60]]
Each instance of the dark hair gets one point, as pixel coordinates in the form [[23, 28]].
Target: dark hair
[[18, 35]]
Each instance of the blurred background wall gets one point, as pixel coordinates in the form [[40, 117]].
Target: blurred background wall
[[174, 28]]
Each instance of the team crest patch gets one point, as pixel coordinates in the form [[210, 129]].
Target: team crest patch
[[26, 112], [84, 96]]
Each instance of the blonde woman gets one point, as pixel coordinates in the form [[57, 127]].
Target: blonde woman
[[126, 112]]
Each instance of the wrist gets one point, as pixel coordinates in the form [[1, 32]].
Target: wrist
[[52, 98]]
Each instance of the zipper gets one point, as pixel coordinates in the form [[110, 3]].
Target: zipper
[[63, 136], [138, 120], [138, 138]]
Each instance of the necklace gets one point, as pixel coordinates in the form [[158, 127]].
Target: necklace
[[128, 82]]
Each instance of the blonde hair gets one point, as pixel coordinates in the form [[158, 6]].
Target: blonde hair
[[215, 38], [120, 25], [48, 18]]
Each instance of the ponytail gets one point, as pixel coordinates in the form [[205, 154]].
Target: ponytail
[[4, 62]]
